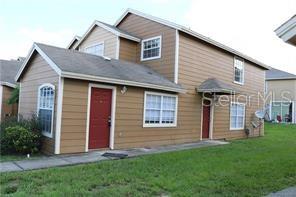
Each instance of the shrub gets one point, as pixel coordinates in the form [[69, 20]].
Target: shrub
[[20, 136], [20, 140]]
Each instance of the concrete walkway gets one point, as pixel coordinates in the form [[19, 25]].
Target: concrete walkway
[[289, 192], [96, 156]]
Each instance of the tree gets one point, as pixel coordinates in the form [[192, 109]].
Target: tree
[[14, 97]]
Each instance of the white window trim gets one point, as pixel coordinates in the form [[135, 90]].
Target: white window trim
[[52, 117], [160, 124], [92, 45], [142, 48], [243, 127], [243, 81]]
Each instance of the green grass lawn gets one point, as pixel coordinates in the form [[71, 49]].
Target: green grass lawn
[[252, 167], [4, 158]]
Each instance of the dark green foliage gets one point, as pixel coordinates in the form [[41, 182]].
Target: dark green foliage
[[20, 136], [20, 140], [14, 98]]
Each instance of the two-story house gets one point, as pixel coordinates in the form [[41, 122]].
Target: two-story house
[[141, 82]]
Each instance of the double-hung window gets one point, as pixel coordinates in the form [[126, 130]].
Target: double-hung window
[[160, 110], [151, 48], [46, 108], [97, 49], [237, 116], [238, 71]]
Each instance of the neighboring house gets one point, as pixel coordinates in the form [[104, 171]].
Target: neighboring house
[[8, 70], [138, 83], [287, 31], [282, 86]]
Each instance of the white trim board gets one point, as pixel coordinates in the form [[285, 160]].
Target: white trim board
[[43, 55], [58, 131], [73, 40], [190, 32], [176, 71], [4, 83], [99, 24], [120, 82], [113, 110]]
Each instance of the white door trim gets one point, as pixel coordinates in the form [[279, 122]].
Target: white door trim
[[113, 108], [211, 118]]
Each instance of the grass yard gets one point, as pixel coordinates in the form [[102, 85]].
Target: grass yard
[[253, 167]]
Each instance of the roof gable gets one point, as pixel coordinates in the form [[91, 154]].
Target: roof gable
[[190, 32], [73, 41], [109, 28]]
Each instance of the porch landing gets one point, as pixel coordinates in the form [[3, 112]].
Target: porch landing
[[96, 156]]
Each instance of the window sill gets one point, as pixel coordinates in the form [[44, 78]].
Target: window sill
[[158, 125], [238, 83], [45, 134], [237, 129], [150, 58]]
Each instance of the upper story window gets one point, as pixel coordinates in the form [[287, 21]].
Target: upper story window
[[97, 49], [46, 108], [160, 110], [151, 48], [238, 71], [237, 116]]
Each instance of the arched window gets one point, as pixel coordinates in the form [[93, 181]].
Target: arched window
[[46, 108]]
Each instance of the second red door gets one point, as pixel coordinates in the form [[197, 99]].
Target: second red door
[[100, 118]]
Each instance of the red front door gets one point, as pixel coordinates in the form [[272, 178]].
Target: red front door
[[100, 117], [206, 119]]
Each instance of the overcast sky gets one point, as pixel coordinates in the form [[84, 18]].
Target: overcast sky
[[246, 25]]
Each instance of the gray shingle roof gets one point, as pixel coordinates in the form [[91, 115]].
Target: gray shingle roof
[[87, 64], [278, 74], [213, 85], [8, 70]]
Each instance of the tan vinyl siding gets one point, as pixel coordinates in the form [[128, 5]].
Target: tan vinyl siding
[[37, 73], [98, 35], [74, 114], [286, 88], [129, 131], [199, 61], [144, 28], [128, 50], [7, 110]]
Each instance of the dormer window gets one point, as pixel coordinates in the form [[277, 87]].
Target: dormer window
[[151, 48], [97, 49], [238, 71]]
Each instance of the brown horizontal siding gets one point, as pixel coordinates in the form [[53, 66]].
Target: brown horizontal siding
[[37, 73], [199, 61], [128, 50], [74, 115], [7, 110], [98, 35], [144, 28]]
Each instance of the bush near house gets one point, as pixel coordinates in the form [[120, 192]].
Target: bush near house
[[21, 136]]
